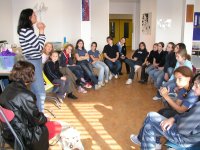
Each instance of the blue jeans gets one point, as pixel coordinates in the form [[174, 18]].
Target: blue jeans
[[63, 86], [37, 87], [151, 130], [77, 70], [103, 70], [87, 68], [113, 66], [132, 64], [158, 78], [149, 68]]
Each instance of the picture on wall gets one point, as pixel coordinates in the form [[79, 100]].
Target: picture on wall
[[196, 29], [146, 23], [85, 10]]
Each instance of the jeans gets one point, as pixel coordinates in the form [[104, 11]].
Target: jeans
[[37, 87], [77, 70], [114, 66], [131, 64], [103, 70], [63, 86], [127, 66], [160, 77], [87, 67], [151, 130]]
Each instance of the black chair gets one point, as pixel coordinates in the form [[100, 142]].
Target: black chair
[[6, 116]]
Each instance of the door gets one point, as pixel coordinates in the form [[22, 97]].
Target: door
[[121, 28]]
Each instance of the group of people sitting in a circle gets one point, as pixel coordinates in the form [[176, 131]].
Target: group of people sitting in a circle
[[73, 68]]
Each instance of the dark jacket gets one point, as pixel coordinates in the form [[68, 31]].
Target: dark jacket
[[63, 60], [123, 50], [28, 122], [140, 55], [51, 70], [170, 61], [160, 58], [151, 57]]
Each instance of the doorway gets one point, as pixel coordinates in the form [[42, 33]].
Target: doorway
[[119, 28]]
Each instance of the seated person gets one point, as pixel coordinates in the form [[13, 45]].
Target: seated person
[[138, 59], [159, 62], [111, 55], [82, 58], [31, 126], [51, 70], [48, 49], [182, 60], [182, 129], [170, 63], [185, 98], [97, 63], [122, 53], [67, 62], [148, 64]]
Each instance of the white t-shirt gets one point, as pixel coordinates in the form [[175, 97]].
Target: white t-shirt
[[44, 58]]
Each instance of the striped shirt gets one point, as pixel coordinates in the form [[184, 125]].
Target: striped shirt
[[31, 44]]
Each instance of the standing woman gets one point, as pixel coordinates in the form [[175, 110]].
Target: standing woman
[[32, 46]]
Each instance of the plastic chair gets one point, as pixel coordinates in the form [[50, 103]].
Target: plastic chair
[[5, 117], [171, 146], [49, 87]]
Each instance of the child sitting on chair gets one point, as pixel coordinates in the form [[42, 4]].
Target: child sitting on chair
[[51, 70]]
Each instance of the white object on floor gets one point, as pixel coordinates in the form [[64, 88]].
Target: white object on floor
[[129, 81]]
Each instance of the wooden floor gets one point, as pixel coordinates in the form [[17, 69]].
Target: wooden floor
[[105, 118]]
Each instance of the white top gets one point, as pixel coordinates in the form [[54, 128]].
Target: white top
[[44, 58]]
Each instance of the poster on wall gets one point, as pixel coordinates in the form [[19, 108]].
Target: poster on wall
[[196, 29], [85, 10], [146, 23]]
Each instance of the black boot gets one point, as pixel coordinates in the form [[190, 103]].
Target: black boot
[[71, 96]]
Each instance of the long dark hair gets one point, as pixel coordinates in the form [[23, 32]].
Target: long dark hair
[[80, 40], [142, 43], [24, 19]]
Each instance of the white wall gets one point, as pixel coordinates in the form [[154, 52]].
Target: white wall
[[128, 7], [61, 19], [6, 20], [197, 6], [148, 7], [188, 29], [99, 22], [172, 34]]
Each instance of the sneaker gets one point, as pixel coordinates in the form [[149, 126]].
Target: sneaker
[[81, 90], [106, 81], [111, 76], [134, 139], [88, 85], [129, 81], [156, 98], [116, 76], [101, 84], [158, 146], [96, 87]]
